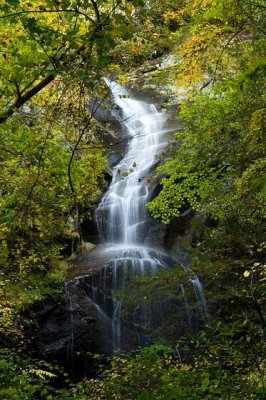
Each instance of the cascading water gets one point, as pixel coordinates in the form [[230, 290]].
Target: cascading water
[[121, 217], [99, 322], [123, 224], [201, 300]]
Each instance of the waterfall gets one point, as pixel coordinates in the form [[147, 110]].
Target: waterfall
[[121, 216], [201, 300], [123, 224]]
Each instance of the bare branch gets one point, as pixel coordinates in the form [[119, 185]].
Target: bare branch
[[29, 196], [18, 91], [2, 148], [96, 10], [33, 80], [23, 99], [225, 47]]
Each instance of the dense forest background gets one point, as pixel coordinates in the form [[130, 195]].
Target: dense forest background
[[53, 56]]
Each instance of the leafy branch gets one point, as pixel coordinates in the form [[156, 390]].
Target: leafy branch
[[44, 11], [236, 33], [64, 58]]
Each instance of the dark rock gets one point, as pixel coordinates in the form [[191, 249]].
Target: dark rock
[[89, 229], [156, 53], [66, 332]]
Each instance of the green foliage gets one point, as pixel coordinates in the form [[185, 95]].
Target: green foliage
[[219, 171], [43, 40], [51, 162], [53, 55], [36, 203], [156, 373], [24, 379], [221, 157]]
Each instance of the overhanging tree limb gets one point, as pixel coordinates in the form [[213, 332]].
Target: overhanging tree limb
[[26, 97], [96, 32], [96, 10], [76, 11]]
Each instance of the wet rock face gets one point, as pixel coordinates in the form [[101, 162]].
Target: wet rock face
[[85, 323], [64, 328], [90, 320], [69, 333]]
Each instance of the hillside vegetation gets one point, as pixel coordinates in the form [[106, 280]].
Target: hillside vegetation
[[52, 161]]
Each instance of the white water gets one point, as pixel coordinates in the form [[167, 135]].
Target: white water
[[123, 224], [201, 300], [122, 216]]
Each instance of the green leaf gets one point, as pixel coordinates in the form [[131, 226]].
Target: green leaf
[[144, 395], [205, 384], [14, 3]]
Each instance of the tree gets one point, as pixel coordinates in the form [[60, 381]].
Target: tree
[[51, 160], [47, 39]]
